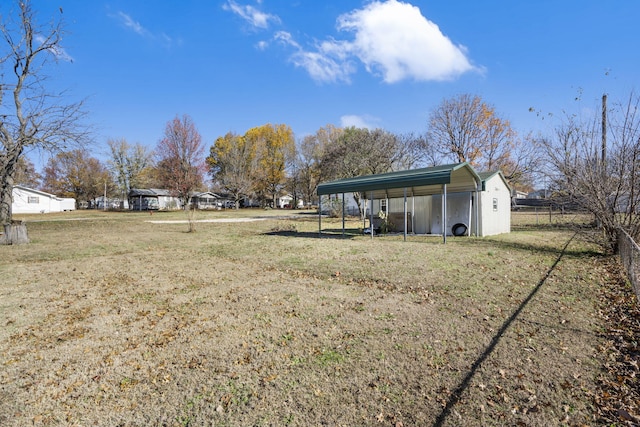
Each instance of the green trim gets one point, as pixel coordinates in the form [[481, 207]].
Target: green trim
[[433, 176], [486, 176]]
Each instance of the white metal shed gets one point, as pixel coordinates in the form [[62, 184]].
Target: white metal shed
[[475, 203]]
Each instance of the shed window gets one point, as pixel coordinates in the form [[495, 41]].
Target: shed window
[[383, 205], [33, 199], [495, 204]]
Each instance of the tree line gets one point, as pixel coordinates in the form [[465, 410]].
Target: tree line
[[592, 162], [267, 160]]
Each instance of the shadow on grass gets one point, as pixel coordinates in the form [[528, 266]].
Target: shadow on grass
[[532, 247], [326, 234], [454, 398]]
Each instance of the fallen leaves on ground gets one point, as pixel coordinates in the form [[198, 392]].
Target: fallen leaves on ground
[[618, 398]]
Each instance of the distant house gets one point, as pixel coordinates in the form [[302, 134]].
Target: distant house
[[539, 194], [27, 200], [152, 199], [286, 202], [106, 203], [206, 200]]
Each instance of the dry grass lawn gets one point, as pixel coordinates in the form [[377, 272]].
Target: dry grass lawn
[[108, 319]]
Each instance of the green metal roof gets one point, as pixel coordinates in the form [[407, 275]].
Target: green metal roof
[[417, 182], [485, 176]]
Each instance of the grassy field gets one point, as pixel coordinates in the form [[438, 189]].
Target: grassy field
[[111, 319]]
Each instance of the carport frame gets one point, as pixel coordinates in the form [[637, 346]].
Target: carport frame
[[437, 180]]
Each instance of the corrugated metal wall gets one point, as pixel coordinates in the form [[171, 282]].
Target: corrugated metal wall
[[458, 211], [419, 207]]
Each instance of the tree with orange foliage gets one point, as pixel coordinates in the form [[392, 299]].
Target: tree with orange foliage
[[275, 151], [78, 175], [180, 158]]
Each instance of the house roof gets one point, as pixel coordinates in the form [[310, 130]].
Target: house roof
[[148, 192], [459, 177], [205, 194], [34, 191]]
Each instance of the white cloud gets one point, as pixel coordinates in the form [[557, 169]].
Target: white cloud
[[391, 39], [286, 38], [396, 40], [56, 50], [250, 14], [128, 22], [366, 121], [132, 24], [320, 65]]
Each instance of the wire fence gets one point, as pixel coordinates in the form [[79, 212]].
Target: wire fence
[[630, 257]]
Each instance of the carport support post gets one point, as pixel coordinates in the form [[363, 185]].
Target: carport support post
[[413, 212], [477, 209], [405, 214], [444, 213], [342, 214], [371, 215], [320, 215]]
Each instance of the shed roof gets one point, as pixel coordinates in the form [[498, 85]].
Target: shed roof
[[418, 182], [486, 176]]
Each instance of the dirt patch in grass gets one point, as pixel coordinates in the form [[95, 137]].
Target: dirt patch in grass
[[118, 321]]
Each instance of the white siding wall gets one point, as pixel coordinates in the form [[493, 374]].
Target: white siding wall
[[26, 201], [495, 218], [68, 204], [169, 203]]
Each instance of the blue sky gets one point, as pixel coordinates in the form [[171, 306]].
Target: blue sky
[[235, 64]]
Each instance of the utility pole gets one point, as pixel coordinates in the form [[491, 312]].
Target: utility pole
[[604, 133]]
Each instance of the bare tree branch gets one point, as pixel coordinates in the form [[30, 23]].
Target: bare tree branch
[[32, 117]]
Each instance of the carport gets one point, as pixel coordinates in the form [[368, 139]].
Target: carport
[[433, 181]]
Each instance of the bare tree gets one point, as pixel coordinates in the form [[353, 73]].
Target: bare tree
[[32, 116], [181, 163], [410, 154], [26, 174], [606, 186], [306, 170], [456, 128], [128, 164], [467, 129], [359, 151]]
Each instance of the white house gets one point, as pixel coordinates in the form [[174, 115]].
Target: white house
[[476, 203], [286, 201], [206, 200], [27, 200]]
